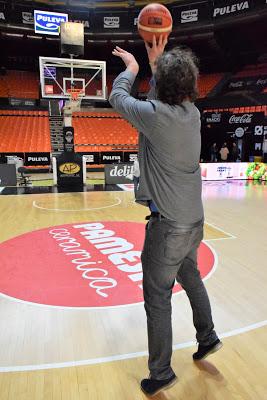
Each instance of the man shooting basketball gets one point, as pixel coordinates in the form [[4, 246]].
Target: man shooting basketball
[[170, 185]]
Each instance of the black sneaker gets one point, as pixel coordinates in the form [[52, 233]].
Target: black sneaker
[[205, 351], [151, 387]]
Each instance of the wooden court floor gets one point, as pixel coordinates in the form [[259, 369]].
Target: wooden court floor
[[100, 353]]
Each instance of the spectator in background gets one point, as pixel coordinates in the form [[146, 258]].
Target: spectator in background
[[3, 159], [213, 153], [235, 152], [224, 152]]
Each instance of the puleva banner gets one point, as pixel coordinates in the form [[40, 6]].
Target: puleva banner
[[48, 23]]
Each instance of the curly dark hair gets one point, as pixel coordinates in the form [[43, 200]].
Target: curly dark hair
[[176, 76]]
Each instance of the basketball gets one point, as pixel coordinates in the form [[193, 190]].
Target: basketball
[[154, 19]]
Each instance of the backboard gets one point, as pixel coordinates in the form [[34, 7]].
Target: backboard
[[59, 75]]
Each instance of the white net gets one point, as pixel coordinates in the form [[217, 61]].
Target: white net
[[74, 103]]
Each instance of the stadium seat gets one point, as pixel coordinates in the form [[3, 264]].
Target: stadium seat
[[102, 131], [20, 84], [207, 82], [24, 133], [252, 70], [144, 86]]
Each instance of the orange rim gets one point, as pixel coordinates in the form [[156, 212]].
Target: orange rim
[[74, 93]]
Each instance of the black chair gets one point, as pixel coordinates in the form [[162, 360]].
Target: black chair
[[3, 159], [24, 177]]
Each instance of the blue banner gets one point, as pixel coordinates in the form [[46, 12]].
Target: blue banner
[[48, 23]]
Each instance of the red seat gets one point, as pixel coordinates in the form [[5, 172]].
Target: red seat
[[21, 133], [103, 130]]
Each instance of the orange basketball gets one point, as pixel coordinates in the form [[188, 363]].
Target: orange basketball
[[154, 19]]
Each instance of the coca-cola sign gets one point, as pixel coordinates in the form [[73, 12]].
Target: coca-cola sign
[[241, 119], [234, 85], [255, 84], [232, 119]]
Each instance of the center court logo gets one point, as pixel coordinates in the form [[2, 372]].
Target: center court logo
[[91, 264]]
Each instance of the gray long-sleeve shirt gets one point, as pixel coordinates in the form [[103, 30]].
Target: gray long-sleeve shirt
[[169, 150]]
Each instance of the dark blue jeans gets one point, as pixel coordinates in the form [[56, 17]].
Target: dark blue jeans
[[169, 254]]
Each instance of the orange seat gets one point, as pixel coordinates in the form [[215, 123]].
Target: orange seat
[[96, 129], [22, 133], [207, 82], [252, 70], [21, 84]]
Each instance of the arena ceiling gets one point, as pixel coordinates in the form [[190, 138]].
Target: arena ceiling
[[89, 4], [221, 43]]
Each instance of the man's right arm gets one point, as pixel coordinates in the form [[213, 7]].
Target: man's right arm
[[153, 53], [140, 114]]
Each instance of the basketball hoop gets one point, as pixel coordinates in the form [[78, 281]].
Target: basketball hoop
[[75, 94], [74, 104]]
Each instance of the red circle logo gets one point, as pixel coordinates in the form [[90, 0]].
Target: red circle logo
[[92, 264]]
